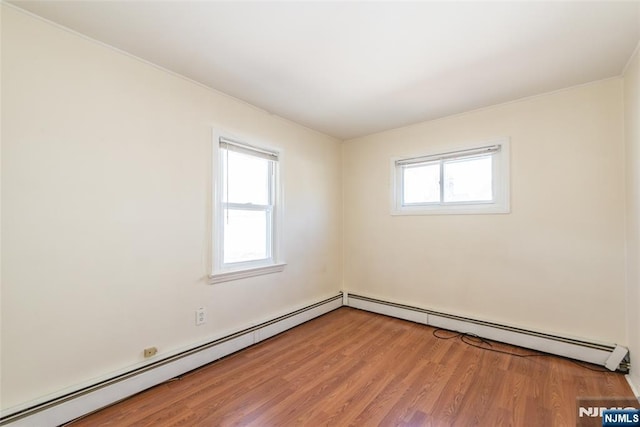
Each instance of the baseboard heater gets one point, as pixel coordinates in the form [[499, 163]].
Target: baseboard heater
[[614, 357], [67, 407], [70, 406]]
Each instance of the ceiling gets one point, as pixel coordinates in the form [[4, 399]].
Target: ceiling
[[349, 69]]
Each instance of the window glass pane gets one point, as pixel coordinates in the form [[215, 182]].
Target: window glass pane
[[245, 235], [421, 184], [245, 178], [468, 180]]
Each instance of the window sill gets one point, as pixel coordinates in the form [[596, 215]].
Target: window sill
[[461, 209], [227, 276]]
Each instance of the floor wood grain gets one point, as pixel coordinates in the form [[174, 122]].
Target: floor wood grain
[[350, 367]]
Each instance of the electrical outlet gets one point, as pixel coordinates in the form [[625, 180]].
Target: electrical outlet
[[151, 351], [201, 316]]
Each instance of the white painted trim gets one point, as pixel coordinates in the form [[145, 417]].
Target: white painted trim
[[597, 353], [104, 393], [99, 396], [616, 357], [227, 276], [635, 388], [573, 351], [388, 310], [274, 264], [501, 182]]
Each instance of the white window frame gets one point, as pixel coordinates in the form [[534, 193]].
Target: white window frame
[[500, 174], [221, 272]]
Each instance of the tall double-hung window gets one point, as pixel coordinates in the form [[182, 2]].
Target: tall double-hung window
[[468, 180], [247, 211]]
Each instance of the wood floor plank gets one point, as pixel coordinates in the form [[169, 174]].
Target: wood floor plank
[[351, 367]]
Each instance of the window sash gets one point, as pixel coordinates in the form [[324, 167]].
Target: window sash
[[247, 206], [441, 160], [269, 251], [498, 149], [492, 174], [404, 168], [269, 209]]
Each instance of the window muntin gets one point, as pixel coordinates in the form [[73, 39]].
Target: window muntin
[[468, 180]]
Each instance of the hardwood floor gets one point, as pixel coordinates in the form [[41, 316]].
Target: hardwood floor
[[350, 367]]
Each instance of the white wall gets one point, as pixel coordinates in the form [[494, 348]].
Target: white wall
[[555, 263], [105, 195], [632, 138]]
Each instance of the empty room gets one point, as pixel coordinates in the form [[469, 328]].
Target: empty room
[[334, 213]]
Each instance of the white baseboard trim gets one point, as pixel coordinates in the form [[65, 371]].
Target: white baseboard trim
[[635, 388], [597, 353], [88, 399], [76, 404]]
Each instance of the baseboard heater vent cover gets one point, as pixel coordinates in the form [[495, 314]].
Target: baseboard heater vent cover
[[62, 409], [614, 357]]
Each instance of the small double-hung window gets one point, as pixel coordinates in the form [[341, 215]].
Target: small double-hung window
[[246, 211], [471, 180]]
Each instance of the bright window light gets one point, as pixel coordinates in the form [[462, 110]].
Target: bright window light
[[468, 180], [458, 181], [246, 215]]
